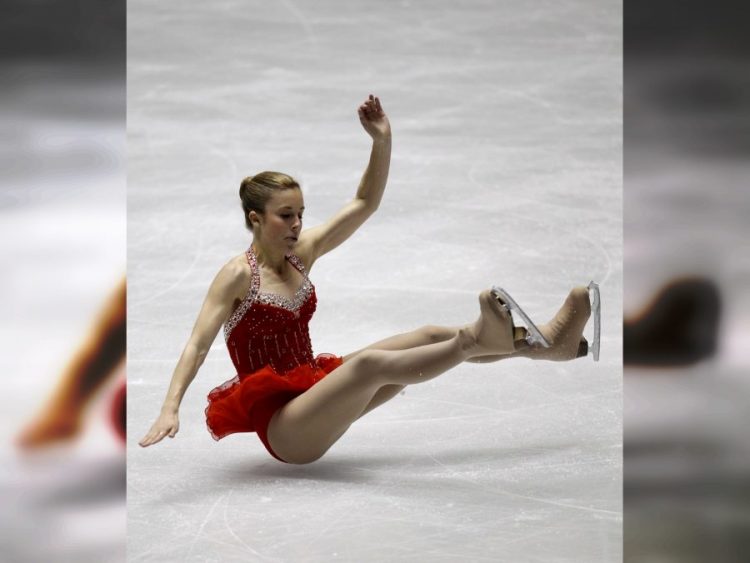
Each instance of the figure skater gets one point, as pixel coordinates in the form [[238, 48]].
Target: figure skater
[[298, 404]]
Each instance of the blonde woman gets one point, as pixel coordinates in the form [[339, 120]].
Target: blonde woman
[[298, 404]]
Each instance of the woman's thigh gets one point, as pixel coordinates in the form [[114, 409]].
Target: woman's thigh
[[307, 426], [303, 429]]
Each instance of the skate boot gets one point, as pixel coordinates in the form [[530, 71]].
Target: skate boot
[[493, 333], [564, 333]]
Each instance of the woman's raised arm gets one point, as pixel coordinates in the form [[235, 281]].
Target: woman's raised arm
[[226, 287], [324, 238]]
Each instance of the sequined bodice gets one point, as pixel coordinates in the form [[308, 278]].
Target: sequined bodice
[[271, 329]]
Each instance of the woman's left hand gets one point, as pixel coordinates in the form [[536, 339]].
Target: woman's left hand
[[373, 119]]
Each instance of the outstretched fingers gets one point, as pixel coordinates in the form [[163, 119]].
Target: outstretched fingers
[[152, 438], [156, 435], [148, 439]]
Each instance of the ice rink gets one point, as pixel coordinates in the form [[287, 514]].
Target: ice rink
[[506, 170]]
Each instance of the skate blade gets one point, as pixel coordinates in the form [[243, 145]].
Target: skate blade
[[596, 307], [535, 336]]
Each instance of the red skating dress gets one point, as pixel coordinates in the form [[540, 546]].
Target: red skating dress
[[269, 343]]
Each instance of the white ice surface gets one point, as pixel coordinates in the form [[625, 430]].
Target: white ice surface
[[506, 170]]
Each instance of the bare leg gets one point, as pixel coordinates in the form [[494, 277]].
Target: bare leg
[[304, 429], [429, 334], [564, 331], [421, 337]]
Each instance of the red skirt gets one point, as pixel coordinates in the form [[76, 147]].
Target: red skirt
[[242, 404]]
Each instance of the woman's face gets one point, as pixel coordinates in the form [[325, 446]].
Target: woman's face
[[281, 223]]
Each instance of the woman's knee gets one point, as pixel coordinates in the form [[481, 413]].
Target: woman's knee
[[371, 364], [435, 333], [368, 359]]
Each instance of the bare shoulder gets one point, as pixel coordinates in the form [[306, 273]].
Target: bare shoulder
[[304, 251], [233, 278]]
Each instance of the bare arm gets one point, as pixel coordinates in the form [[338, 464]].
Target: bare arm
[[229, 283], [319, 240]]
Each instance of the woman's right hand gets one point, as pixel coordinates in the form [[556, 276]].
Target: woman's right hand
[[166, 425]]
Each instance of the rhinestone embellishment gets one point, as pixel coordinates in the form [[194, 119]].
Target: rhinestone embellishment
[[292, 305], [283, 302]]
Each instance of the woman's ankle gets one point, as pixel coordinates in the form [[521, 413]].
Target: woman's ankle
[[466, 340]]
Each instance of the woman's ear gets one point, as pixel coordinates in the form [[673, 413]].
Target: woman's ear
[[253, 216]]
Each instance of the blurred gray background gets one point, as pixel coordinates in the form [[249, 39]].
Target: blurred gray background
[[62, 246], [687, 109], [506, 170]]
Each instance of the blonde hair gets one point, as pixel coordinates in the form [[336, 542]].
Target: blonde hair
[[255, 191]]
